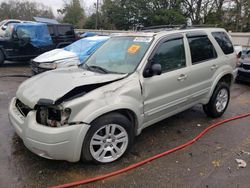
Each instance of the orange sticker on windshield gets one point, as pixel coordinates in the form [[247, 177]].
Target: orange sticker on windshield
[[133, 49]]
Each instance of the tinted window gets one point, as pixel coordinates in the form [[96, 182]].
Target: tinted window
[[201, 49], [11, 22], [224, 42], [65, 30], [171, 55]]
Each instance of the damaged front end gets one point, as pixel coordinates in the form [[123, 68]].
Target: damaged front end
[[52, 116]]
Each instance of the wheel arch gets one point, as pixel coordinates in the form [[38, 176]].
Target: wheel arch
[[128, 113], [226, 77]]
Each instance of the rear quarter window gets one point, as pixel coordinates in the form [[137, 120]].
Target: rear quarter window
[[65, 30], [224, 42], [201, 49]]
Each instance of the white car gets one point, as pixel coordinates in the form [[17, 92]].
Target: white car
[[71, 55], [4, 24], [131, 82]]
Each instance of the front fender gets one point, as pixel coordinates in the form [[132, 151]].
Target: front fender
[[120, 95]]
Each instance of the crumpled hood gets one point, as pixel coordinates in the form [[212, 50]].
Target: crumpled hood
[[55, 84], [54, 55]]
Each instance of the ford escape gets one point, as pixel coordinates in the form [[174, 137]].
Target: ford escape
[[134, 80]]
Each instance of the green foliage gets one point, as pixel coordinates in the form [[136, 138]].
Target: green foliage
[[73, 13], [24, 10], [168, 17], [90, 22], [128, 14]]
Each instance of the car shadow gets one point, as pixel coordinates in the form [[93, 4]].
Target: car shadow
[[15, 64]]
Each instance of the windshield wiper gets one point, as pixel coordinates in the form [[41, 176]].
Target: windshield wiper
[[95, 68], [99, 69]]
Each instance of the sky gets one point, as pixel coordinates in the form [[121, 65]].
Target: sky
[[56, 4]]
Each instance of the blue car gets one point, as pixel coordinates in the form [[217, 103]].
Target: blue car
[[72, 55]]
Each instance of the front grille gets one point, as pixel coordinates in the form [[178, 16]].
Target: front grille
[[22, 108], [246, 66]]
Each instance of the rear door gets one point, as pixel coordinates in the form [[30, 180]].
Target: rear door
[[23, 45], [204, 64]]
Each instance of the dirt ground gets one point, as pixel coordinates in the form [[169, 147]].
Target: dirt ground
[[209, 162]]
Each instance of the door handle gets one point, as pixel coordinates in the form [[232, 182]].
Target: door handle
[[214, 67], [182, 77]]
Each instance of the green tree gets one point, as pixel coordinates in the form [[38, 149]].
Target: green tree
[[90, 22], [24, 10], [73, 13], [128, 14]]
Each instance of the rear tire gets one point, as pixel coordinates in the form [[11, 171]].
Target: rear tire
[[108, 139], [1, 58], [219, 101]]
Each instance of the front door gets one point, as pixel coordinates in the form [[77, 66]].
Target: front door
[[167, 93], [23, 42]]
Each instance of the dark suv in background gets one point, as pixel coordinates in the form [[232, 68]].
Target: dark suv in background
[[25, 41], [62, 34]]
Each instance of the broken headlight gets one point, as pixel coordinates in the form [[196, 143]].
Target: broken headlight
[[53, 116]]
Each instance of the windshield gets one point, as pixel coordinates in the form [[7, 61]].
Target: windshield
[[119, 54]]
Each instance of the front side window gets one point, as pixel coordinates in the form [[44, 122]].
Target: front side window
[[224, 42], [201, 49], [119, 55], [170, 55]]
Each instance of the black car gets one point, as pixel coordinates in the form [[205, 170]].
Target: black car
[[25, 41], [244, 67]]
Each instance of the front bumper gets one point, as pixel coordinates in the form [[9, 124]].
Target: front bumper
[[243, 75], [64, 143], [36, 69]]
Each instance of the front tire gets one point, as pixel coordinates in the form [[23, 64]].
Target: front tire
[[219, 101], [109, 137], [1, 58]]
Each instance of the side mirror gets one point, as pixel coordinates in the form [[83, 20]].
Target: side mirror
[[4, 27], [239, 55], [154, 69]]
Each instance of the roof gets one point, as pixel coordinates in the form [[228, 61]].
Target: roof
[[32, 24], [46, 20], [167, 31]]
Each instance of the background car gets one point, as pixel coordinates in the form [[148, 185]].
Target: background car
[[24, 41], [4, 24], [244, 67], [71, 55]]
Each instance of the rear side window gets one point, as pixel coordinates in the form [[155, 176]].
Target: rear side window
[[51, 30], [224, 42], [65, 30], [201, 49]]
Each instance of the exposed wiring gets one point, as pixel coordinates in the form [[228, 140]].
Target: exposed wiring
[[133, 166]]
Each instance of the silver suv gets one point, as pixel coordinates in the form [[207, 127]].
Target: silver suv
[[133, 81]]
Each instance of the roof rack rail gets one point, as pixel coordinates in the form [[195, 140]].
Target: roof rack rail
[[159, 28]]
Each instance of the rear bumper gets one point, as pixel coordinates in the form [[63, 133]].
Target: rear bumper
[[64, 143]]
